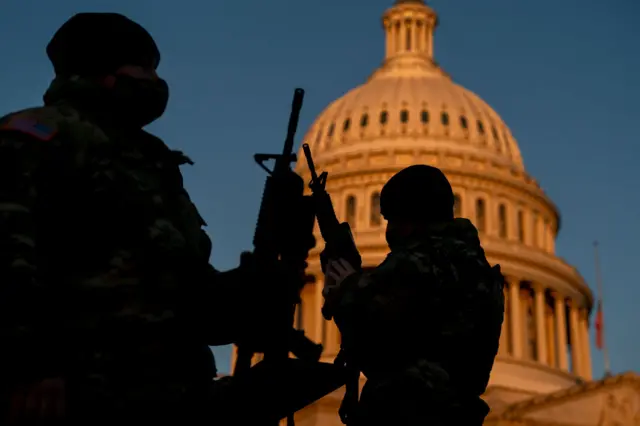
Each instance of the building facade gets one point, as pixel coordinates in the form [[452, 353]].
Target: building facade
[[410, 111]]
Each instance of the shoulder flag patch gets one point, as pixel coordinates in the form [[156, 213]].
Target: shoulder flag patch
[[29, 126]]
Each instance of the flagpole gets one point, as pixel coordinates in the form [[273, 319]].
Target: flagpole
[[605, 352]]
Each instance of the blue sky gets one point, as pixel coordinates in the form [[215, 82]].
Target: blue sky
[[562, 73]]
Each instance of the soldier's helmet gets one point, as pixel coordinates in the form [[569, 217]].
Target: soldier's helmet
[[418, 193], [94, 44]]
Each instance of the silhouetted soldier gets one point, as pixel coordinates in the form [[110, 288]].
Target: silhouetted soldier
[[423, 326], [108, 300]]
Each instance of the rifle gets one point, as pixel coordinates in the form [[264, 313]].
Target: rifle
[[284, 233], [339, 244]]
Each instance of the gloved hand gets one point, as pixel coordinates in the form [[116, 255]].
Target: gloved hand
[[336, 272]]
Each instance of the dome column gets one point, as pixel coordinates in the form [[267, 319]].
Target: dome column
[[388, 28], [515, 317], [576, 345], [526, 307], [551, 243], [541, 338], [420, 41], [561, 330], [586, 350], [393, 36], [551, 337], [415, 35]]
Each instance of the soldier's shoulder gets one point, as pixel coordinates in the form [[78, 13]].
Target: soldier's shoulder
[[46, 123], [39, 123], [50, 123], [407, 260]]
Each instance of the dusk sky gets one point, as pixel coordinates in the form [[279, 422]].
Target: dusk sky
[[563, 74]]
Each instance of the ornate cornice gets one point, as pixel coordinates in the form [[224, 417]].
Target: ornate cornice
[[517, 410]]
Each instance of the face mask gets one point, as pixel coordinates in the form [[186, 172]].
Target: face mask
[[398, 234], [139, 101], [394, 237]]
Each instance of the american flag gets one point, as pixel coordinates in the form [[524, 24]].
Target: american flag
[[30, 127], [599, 327]]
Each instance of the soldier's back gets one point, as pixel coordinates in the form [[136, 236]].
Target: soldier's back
[[465, 305], [443, 332], [119, 254]]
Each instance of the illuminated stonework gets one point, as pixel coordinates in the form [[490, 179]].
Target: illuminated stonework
[[409, 112]]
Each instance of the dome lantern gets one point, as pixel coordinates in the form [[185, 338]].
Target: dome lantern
[[409, 27]]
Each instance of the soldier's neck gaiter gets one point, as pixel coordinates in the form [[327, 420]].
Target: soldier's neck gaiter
[[130, 103]]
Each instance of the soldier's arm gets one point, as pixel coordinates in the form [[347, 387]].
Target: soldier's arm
[[241, 303], [225, 316], [220, 305], [26, 328]]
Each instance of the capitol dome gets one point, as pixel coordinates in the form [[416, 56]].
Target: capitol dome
[[410, 111], [410, 101]]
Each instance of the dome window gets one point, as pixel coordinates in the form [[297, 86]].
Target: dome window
[[404, 116], [444, 118], [347, 124], [364, 120], [375, 218], [330, 131], [481, 221], [424, 116], [480, 127], [351, 211], [502, 221], [319, 135], [463, 122], [384, 116]]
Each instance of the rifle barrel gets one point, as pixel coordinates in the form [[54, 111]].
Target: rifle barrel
[[296, 106], [312, 166]]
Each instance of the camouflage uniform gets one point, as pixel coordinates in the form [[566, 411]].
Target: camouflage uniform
[[104, 273], [424, 328]]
